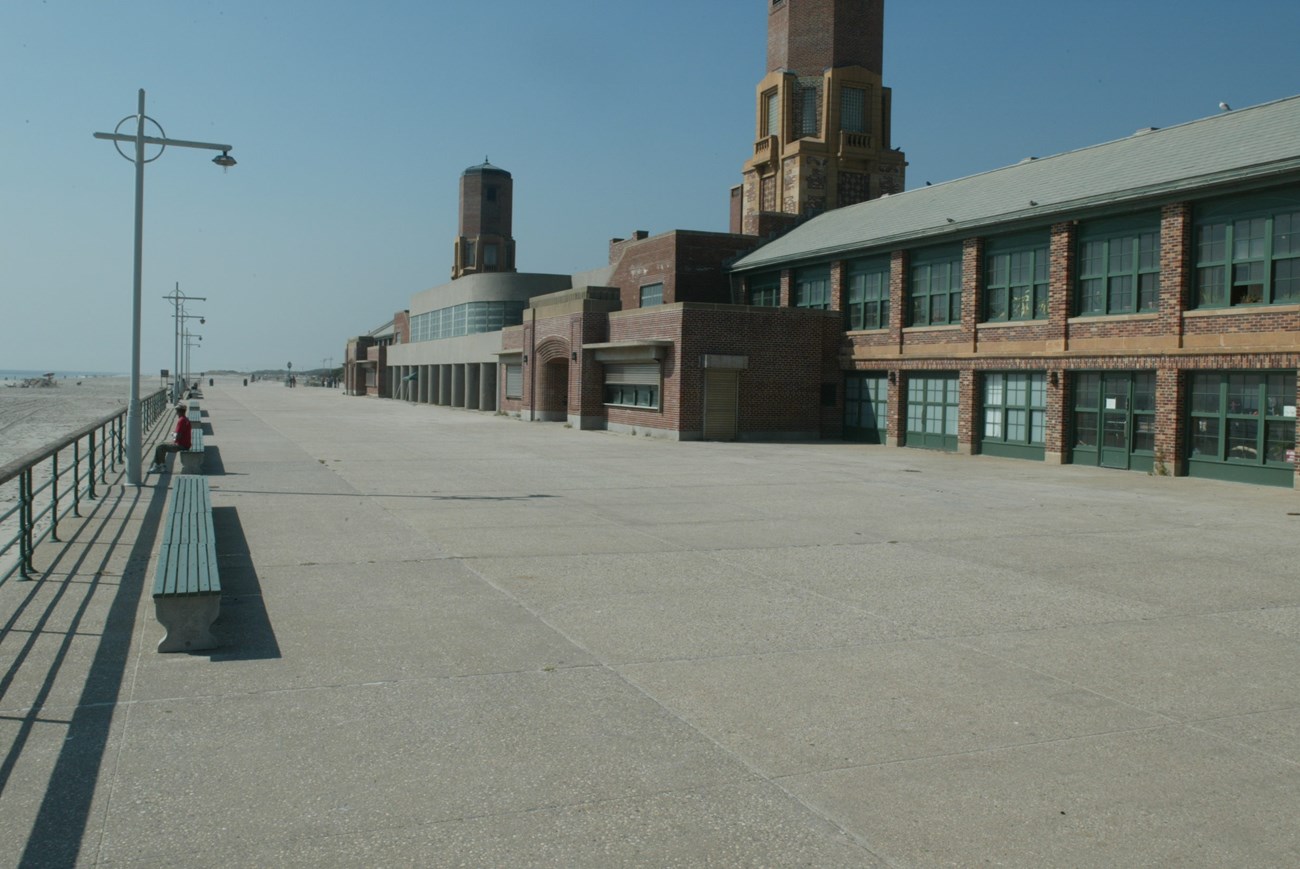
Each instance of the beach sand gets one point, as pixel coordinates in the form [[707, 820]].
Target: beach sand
[[32, 418]]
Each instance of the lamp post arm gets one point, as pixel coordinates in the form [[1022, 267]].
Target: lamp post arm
[[155, 140]]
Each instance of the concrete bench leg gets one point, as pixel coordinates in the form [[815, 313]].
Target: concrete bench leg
[[191, 463], [188, 620]]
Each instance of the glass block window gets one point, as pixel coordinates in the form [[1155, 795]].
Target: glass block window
[[651, 295], [771, 114], [853, 110], [1119, 268], [1016, 282], [868, 294], [1248, 252], [808, 103], [812, 288], [934, 292]]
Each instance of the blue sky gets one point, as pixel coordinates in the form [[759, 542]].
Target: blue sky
[[352, 123]]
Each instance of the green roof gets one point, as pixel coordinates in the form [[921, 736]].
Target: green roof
[[1232, 148]]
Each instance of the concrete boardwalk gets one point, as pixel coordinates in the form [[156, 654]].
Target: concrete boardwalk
[[456, 639]]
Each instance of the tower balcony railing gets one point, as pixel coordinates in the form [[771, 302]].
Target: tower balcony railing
[[766, 149], [852, 144]]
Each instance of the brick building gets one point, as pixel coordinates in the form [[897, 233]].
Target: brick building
[[822, 137], [1131, 305]]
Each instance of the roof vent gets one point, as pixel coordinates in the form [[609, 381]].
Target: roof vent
[[1028, 159], [1145, 130]]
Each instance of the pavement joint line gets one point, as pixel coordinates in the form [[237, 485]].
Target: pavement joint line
[[992, 749], [737, 758]]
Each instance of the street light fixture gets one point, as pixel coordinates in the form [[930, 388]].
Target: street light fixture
[[134, 433], [178, 300]]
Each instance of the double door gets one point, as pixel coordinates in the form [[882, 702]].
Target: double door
[[1114, 419]]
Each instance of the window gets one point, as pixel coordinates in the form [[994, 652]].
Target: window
[[812, 288], [1243, 417], [808, 110], [1015, 408], [1016, 282], [771, 114], [1119, 269], [763, 291], [853, 110], [489, 256], [935, 291], [1248, 253], [467, 319], [514, 381], [868, 294], [632, 385], [467, 254], [651, 295], [491, 194]]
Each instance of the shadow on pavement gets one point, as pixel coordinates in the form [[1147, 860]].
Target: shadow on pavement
[[243, 627]]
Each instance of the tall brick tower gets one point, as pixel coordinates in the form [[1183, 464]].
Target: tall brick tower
[[485, 243], [822, 138]]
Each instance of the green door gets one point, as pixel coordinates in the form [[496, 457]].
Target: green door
[[866, 404], [1115, 422], [1114, 419], [932, 411]]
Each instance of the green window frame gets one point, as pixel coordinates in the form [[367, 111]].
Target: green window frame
[[866, 406], [1119, 268], [1017, 281], [1248, 252], [652, 295], [1243, 417], [932, 411], [812, 288], [868, 294], [763, 291], [1015, 408], [934, 291]]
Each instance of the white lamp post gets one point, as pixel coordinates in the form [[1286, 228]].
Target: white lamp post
[[134, 434], [178, 300]]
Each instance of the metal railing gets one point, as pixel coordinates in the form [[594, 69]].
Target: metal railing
[[51, 484]]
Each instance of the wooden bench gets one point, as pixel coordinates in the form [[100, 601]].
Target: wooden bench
[[186, 587], [192, 459]]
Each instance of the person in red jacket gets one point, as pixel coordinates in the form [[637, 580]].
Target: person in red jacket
[[180, 441]]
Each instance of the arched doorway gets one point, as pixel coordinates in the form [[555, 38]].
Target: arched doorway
[[551, 402]]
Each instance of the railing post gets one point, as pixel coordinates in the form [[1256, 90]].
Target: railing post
[[54, 498], [25, 524], [76, 478], [90, 489]]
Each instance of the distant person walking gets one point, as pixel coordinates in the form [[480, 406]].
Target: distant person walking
[[179, 443]]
